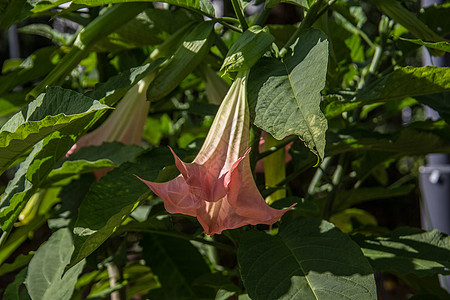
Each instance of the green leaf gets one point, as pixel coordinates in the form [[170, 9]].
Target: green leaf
[[202, 6], [14, 290], [308, 259], [435, 16], [408, 251], [39, 63], [88, 159], [439, 102], [57, 110], [187, 57], [47, 152], [102, 26], [117, 86], [407, 82], [400, 14], [247, 49], [45, 278], [111, 199], [285, 94], [177, 263], [443, 46], [19, 262]]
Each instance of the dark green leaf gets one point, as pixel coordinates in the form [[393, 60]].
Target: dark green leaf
[[45, 278], [439, 102], [202, 6], [285, 94], [33, 67], [14, 291], [88, 159], [308, 259], [187, 57], [408, 250], [111, 199], [20, 261], [117, 86], [177, 263]]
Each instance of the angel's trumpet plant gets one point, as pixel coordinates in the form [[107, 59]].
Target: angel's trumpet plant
[[125, 124], [218, 187]]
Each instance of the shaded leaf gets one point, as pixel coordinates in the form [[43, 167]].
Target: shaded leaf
[[88, 159], [285, 94], [109, 21], [308, 259], [202, 6], [408, 251], [14, 291], [111, 199], [177, 263], [19, 262], [45, 278]]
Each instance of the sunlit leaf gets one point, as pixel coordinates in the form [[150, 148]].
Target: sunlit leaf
[[408, 250], [57, 110], [285, 94]]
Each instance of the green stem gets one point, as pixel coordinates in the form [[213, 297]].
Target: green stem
[[262, 17], [216, 244], [318, 175], [239, 14], [225, 24], [335, 180], [307, 22]]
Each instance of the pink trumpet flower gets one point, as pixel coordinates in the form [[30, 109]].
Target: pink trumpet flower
[[125, 124], [218, 187]]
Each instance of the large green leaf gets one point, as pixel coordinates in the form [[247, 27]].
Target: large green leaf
[[187, 57], [88, 159], [111, 199], [308, 259], [45, 278], [408, 251], [439, 102], [177, 263], [202, 6], [46, 153], [285, 94], [407, 82], [57, 110]]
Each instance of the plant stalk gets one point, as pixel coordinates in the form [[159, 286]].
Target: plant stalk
[[239, 14]]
